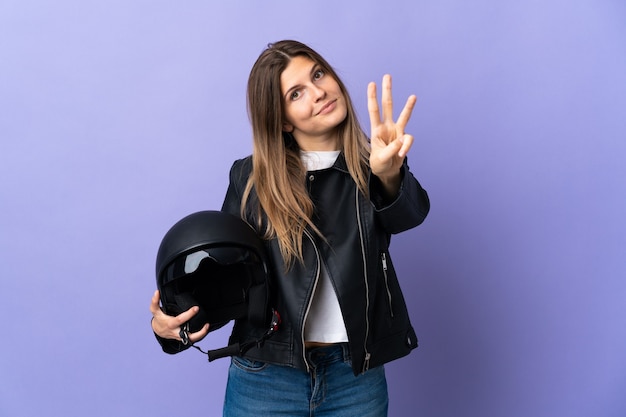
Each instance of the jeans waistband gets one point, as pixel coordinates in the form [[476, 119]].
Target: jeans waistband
[[331, 353]]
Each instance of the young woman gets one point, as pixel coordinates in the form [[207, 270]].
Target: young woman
[[326, 200]]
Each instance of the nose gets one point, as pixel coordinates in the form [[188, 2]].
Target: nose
[[317, 92]]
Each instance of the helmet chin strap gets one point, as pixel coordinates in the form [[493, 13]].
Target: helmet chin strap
[[236, 349]]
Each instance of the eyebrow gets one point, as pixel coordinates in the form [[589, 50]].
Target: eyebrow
[[314, 68]]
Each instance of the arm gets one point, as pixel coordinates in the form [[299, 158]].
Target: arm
[[399, 200], [389, 142], [167, 328]]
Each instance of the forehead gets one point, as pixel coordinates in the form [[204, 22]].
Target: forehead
[[297, 71]]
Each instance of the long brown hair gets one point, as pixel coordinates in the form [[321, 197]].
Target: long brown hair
[[278, 175]]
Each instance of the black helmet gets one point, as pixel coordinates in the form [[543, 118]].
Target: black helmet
[[216, 261]]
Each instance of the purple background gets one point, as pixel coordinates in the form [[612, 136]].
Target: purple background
[[117, 118]]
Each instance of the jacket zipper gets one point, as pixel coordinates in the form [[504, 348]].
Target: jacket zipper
[[383, 257], [310, 302], [366, 362]]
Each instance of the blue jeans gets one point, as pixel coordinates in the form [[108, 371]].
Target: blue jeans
[[330, 389]]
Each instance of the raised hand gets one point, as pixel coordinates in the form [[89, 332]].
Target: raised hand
[[389, 142]]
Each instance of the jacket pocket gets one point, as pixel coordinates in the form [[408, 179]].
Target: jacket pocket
[[388, 293]]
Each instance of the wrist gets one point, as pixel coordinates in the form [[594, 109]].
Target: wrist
[[390, 184]]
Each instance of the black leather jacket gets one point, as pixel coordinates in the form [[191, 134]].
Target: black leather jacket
[[357, 233]]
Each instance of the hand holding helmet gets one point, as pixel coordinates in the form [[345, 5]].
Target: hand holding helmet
[[169, 327]]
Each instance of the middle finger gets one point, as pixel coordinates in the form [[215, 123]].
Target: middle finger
[[387, 100]]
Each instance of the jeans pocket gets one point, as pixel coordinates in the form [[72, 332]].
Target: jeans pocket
[[248, 365]]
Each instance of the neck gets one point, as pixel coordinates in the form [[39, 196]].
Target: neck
[[324, 144]]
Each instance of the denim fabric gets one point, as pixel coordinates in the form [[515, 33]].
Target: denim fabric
[[330, 389]]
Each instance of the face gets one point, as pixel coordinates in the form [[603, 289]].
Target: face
[[314, 105]]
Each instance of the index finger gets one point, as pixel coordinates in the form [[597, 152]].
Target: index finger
[[372, 105], [185, 316]]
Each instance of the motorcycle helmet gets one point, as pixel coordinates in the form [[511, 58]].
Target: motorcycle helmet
[[216, 261]]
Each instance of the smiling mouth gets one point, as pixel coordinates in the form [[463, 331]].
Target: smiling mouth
[[326, 106]]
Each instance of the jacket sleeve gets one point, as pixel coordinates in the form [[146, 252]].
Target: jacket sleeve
[[409, 208], [238, 177], [230, 205]]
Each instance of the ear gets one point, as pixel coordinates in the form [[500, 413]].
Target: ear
[[287, 127]]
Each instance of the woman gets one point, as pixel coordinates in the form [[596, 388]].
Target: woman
[[326, 200]]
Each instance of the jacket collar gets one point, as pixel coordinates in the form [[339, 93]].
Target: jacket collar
[[340, 163]]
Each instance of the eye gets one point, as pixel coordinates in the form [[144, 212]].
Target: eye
[[295, 94], [318, 74]]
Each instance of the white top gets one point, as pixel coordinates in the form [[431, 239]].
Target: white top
[[324, 322]]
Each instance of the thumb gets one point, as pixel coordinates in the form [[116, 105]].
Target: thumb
[[155, 306]]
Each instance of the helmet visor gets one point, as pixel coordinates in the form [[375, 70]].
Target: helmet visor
[[191, 263]]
